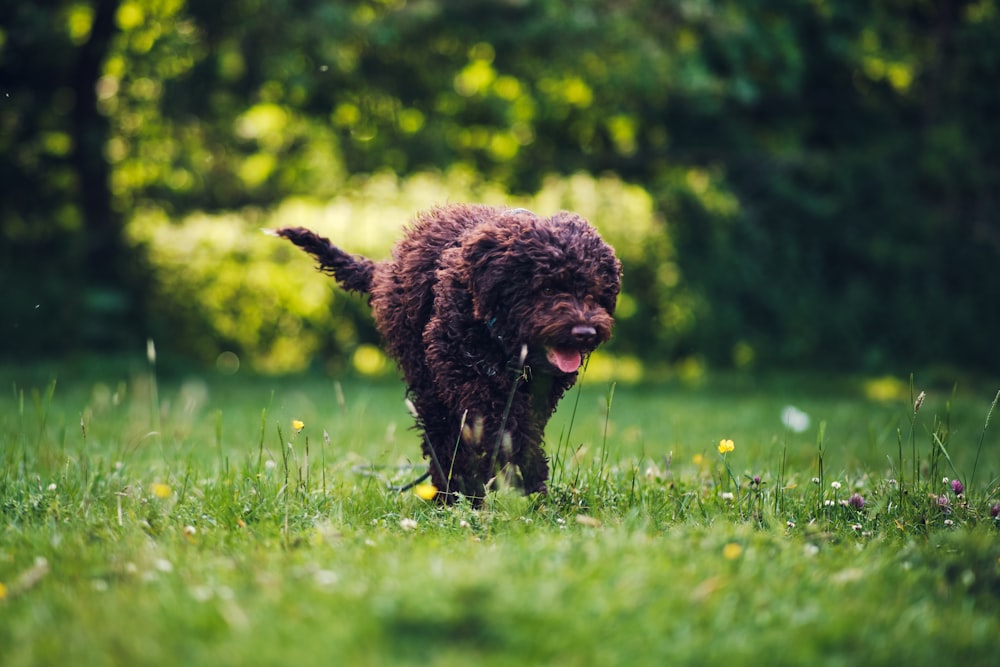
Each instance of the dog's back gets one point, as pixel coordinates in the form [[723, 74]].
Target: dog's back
[[403, 287]]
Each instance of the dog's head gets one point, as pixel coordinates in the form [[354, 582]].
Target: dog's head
[[548, 283]]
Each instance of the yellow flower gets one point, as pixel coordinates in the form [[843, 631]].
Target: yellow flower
[[425, 491], [697, 459], [160, 490], [3, 591], [298, 425], [732, 551], [726, 446]]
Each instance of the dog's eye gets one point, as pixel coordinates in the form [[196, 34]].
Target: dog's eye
[[548, 291]]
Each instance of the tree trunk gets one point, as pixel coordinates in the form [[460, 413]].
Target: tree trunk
[[109, 296]]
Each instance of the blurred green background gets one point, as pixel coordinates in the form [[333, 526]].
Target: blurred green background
[[790, 184]]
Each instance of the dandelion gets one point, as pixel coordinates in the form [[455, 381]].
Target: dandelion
[[956, 487], [298, 425], [856, 501], [726, 446], [160, 490], [426, 491], [732, 551], [794, 419]]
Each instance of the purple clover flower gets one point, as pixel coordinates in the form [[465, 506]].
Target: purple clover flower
[[995, 511], [856, 501], [943, 503], [956, 487]]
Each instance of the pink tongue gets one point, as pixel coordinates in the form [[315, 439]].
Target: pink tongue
[[565, 360]]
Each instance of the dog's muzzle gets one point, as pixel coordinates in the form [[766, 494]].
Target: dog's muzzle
[[584, 334]]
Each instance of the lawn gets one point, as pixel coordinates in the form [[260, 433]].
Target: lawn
[[185, 521]]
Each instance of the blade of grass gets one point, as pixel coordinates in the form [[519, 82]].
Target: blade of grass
[[982, 437]]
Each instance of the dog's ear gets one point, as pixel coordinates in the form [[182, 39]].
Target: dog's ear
[[484, 267], [589, 247]]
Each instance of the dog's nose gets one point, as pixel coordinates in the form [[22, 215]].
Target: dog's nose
[[583, 333]]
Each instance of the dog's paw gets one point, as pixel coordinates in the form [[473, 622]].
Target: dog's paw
[[540, 489]]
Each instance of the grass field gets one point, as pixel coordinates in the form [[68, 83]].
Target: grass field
[[186, 522]]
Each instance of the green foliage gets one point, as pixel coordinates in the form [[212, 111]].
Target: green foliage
[[844, 221], [227, 537], [823, 171]]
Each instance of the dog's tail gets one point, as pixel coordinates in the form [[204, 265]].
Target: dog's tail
[[353, 272]]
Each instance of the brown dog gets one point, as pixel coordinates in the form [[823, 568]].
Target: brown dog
[[489, 313]]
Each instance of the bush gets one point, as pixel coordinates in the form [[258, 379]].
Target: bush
[[223, 287]]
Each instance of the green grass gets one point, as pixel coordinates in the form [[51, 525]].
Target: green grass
[[175, 524]]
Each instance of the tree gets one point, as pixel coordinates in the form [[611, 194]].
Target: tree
[[70, 281], [826, 171]]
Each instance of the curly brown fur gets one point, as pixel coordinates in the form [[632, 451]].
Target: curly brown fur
[[489, 313]]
